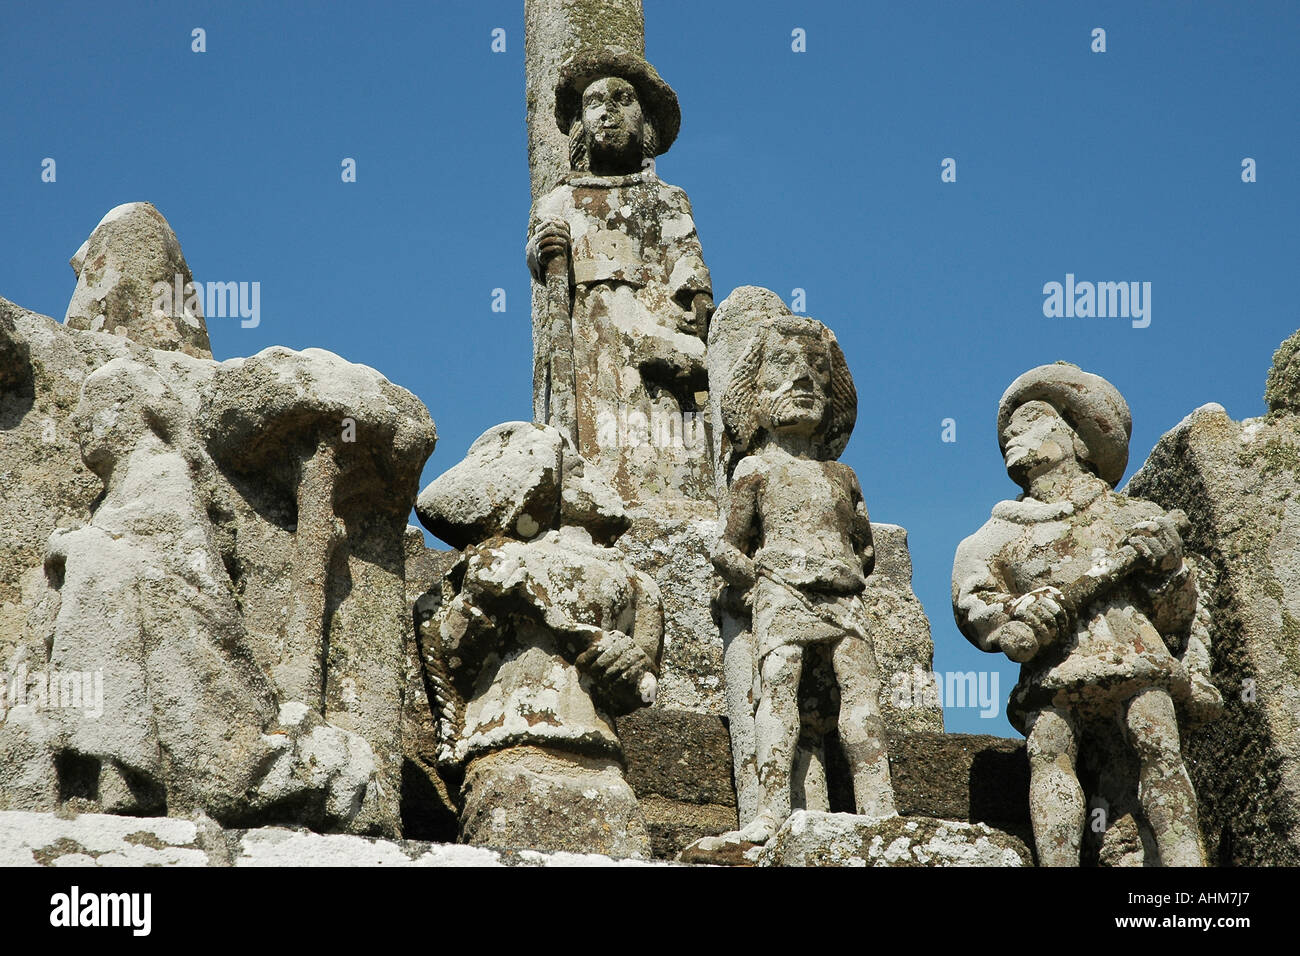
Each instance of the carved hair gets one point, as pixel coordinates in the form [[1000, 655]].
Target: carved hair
[[580, 152], [740, 402]]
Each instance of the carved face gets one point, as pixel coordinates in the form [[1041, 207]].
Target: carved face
[[613, 121], [794, 383], [1037, 439]]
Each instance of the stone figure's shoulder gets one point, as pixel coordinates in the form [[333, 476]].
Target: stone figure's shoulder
[[1000, 529], [839, 471], [674, 196], [751, 469], [556, 204]]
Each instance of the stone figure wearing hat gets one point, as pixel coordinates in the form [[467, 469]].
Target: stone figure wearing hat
[[619, 348], [1089, 590], [544, 634], [797, 542]]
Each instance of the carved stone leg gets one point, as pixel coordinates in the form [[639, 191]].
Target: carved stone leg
[[862, 731], [1164, 788], [776, 731], [1056, 802]]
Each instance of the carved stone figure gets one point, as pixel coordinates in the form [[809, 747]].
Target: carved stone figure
[[1089, 590], [624, 297], [131, 250], [192, 517], [544, 635], [797, 543], [186, 720]]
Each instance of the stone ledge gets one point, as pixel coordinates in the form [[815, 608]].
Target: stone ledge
[[96, 839], [811, 838]]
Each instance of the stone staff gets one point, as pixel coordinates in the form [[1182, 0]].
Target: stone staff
[[561, 391]]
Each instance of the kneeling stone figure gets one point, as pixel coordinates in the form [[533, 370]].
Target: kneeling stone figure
[[544, 635]]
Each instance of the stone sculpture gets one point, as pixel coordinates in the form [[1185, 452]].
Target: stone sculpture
[[131, 250], [624, 296], [797, 543], [544, 635], [1237, 481], [188, 721], [1089, 590], [219, 546]]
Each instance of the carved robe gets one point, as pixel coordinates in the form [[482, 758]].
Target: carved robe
[[636, 266]]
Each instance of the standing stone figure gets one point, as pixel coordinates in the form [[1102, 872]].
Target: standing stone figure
[[1088, 589], [544, 635], [189, 720], [621, 318], [797, 542]]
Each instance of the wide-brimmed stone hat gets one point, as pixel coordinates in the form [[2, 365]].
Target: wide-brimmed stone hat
[[658, 101], [1089, 404]]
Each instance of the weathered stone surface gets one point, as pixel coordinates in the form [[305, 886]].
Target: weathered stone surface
[[92, 839], [1237, 482], [676, 824], [326, 456], [679, 765], [188, 722], [622, 296], [117, 521], [795, 551], [678, 754], [543, 634], [969, 777], [894, 617], [811, 838], [900, 632], [671, 542], [132, 249], [546, 800], [508, 480], [429, 810], [99, 839], [15, 366], [1089, 591], [44, 485], [554, 30]]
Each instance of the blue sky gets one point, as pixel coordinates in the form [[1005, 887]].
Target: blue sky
[[817, 170]]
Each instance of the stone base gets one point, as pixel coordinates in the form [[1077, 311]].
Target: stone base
[[811, 838], [679, 765], [552, 801], [97, 839], [973, 777]]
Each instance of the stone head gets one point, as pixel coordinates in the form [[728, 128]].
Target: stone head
[[793, 380], [612, 120], [615, 109], [120, 403], [520, 480], [1036, 440], [1057, 412], [612, 135]]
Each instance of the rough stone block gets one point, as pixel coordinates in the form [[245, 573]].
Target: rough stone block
[[811, 838]]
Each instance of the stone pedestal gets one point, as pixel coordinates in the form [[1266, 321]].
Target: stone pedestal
[[550, 800]]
